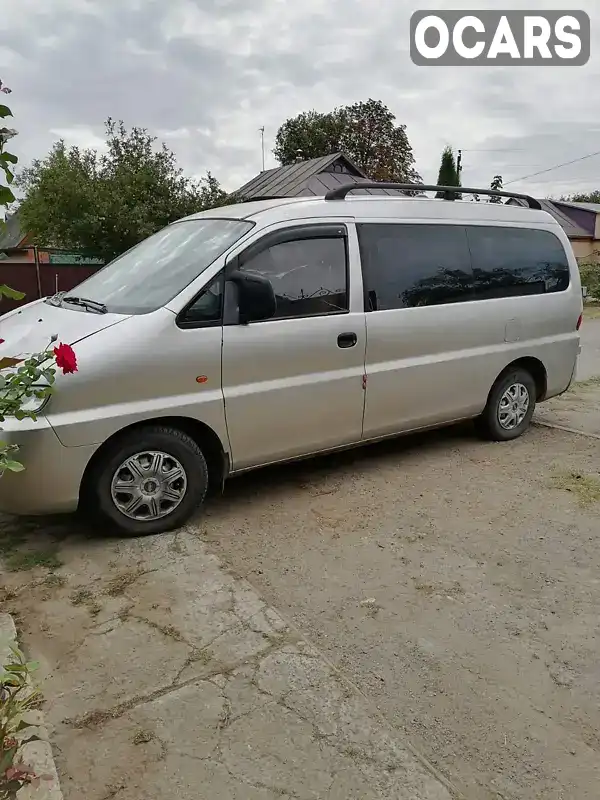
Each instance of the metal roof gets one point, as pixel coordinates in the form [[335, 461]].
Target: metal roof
[[595, 207], [305, 178], [571, 228]]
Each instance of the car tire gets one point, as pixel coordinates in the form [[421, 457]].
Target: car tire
[[510, 406], [148, 481]]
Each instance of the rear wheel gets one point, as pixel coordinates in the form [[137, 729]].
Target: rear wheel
[[150, 480], [510, 406]]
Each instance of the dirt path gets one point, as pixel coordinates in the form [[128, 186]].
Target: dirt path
[[457, 584]]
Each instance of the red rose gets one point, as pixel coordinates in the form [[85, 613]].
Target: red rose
[[65, 358]]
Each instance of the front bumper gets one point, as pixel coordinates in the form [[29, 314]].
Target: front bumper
[[52, 477]]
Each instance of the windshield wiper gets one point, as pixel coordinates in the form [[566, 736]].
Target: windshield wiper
[[90, 305], [56, 299]]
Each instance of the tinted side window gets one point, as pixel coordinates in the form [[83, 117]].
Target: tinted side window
[[516, 261], [308, 276], [414, 265]]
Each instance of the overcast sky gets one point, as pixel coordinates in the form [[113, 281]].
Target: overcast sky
[[204, 75]]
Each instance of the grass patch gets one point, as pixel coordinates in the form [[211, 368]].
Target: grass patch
[[54, 581], [117, 585], [24, 560], [19, 556], [9, 542], [81, 596], [593, 381], [143, 737], [585, 487], [84, 597]]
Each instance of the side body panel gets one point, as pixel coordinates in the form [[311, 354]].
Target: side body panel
[[143, 369], [435, 364], [290, 390]]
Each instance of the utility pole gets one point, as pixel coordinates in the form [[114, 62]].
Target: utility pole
[[262, 145], [459, 164]]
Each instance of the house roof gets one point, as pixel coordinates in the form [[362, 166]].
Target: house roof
[[595, 207], [571, 228], [11, 235], [313, 177]]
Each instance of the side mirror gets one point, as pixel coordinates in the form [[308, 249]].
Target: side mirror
[[256, 298]]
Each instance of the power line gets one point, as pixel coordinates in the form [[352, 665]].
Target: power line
[[571, 182], [556, 166], [485, 150]]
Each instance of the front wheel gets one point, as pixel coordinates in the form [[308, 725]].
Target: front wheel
[[150, 480], [510, 406]]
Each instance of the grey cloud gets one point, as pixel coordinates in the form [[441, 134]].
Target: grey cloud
[[233, 66]]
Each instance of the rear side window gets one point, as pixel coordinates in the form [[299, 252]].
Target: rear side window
[[508, 262], [414, 265]]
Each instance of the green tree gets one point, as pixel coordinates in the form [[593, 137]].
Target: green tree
[[496, 185], [448, 174], [583, 197], [365, 132], [106, 202]]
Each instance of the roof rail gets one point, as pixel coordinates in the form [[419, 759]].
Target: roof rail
[[341, 191]]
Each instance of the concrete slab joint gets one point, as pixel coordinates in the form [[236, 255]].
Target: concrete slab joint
[[36, 753]]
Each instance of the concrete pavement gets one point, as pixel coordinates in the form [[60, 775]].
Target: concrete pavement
[[168, 677], [589, 361], [578, 410]]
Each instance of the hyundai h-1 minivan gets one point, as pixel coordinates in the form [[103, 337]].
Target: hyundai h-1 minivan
[[273, 330]]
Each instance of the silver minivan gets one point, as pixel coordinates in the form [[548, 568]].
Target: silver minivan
[[269, 331]]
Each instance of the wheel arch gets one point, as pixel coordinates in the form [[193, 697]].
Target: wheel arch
[[535, 368], [217, 458]]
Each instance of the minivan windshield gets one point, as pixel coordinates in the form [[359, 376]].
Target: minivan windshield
[[154, 271]]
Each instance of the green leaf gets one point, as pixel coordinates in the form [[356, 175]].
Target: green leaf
[[5, 112], [32, 665], [6, 196], [6, 759], [9, 157], [15, 667], [14, 466], [12, 294]]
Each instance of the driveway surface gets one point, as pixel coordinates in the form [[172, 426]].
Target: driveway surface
[[579, 408], [169, 679], [589, 360], [454, 583]]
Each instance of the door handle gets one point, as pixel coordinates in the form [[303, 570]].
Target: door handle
[[347, 339]]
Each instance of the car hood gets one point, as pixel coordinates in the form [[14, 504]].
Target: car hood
[[29, 329]]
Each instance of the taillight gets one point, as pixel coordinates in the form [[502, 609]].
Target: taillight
[[579, 321]]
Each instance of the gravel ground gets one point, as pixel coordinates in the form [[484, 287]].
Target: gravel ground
[[456, 582]]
